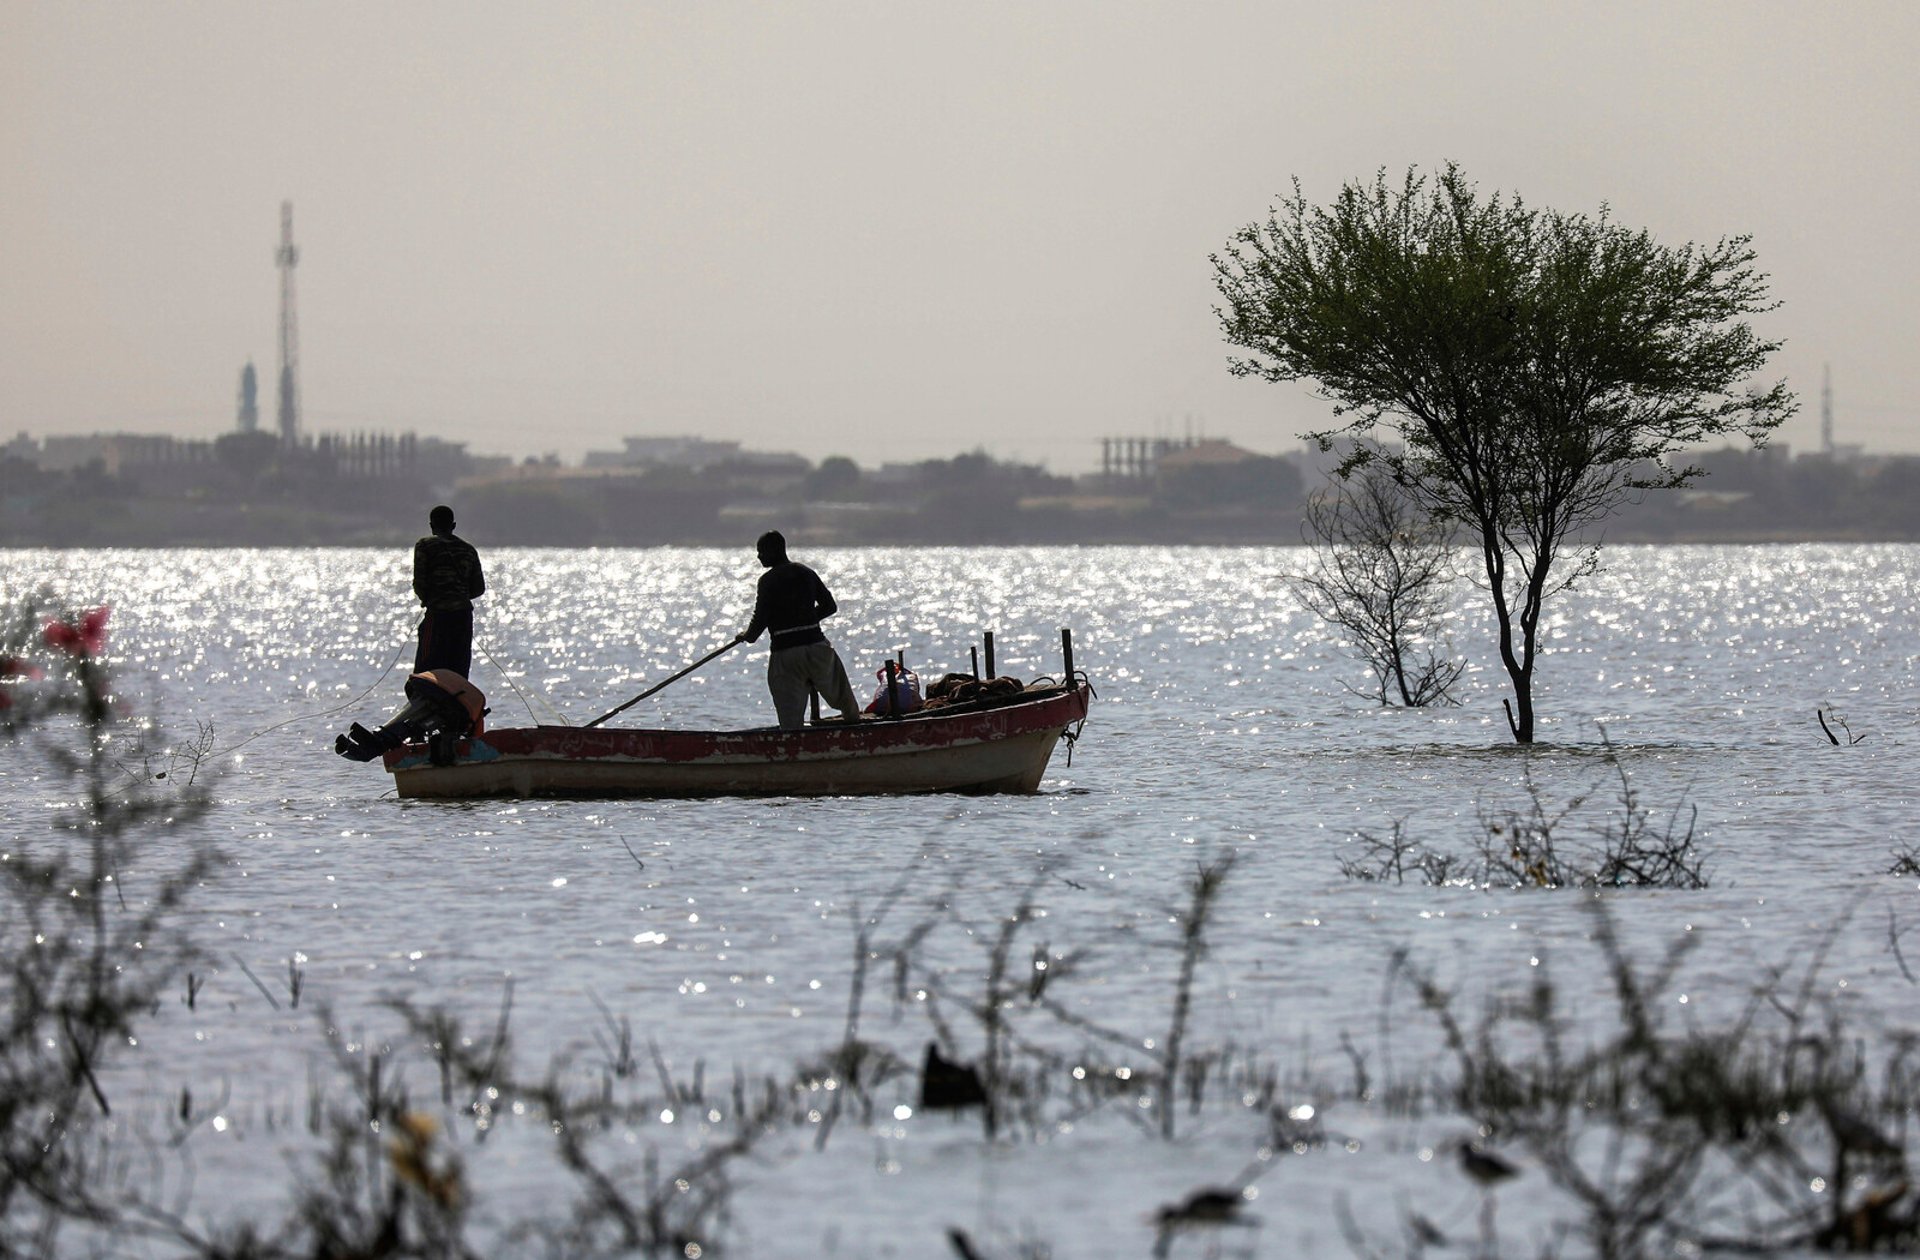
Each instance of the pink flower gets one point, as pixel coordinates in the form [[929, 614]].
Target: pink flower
[[86, 638]]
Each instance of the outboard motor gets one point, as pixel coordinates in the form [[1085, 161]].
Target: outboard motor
[[442, 708]]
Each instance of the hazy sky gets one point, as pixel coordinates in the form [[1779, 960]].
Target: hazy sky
[[889, 230]]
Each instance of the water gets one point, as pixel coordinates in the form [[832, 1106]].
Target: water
[[724, 929]]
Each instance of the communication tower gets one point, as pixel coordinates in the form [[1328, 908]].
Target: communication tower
[[286, 257]]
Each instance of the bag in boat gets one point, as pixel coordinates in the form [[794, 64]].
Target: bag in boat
[[906, 682], [441, 707]]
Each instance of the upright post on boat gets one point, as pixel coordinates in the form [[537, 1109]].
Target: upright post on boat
[[893, 691], [1066, 650], [990, 672], [976, 663]]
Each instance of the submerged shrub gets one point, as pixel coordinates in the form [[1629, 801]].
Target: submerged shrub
[[1769, 1133], [1529, 846], [86, 946]]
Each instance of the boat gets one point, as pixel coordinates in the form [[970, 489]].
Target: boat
[[992, 744]]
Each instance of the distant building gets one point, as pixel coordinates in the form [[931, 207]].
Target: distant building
[[64, 453], [692, 454], [1710, 499], [675, 452], [367, 456], [1205, 453], [1134, 458], [896, 474], [152, 461]]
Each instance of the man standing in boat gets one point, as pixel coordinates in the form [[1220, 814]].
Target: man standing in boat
[[447, 578], [792, 602]]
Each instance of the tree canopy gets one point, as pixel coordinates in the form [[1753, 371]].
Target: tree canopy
[[1534, 369]]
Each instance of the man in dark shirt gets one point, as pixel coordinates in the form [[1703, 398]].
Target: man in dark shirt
[[792, 602], [447, 578]]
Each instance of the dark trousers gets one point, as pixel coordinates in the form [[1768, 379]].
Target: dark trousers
[[446, 642]]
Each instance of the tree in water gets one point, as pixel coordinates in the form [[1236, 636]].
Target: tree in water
[[1541, 369], [1381, 573]]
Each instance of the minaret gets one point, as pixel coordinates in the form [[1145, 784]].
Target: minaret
[[1826, 409], [249, 399], [286, 257]]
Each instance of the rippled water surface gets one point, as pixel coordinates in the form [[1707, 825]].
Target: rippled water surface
[[1223, 725]]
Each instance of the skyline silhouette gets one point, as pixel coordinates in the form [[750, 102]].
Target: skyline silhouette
[[889, 233]]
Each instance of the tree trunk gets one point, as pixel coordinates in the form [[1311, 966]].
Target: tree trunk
[[1522, 726], [1518, 671], [1400, 671], [1520, 667]]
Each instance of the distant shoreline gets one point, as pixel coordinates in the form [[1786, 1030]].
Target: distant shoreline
[[1781, 540]]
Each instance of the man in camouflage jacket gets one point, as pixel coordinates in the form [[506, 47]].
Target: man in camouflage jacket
[[447, 578]]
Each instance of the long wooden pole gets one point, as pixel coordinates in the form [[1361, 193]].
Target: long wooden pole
[[724, 648]]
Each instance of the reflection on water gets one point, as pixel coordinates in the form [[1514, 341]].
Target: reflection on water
[[1222, 710], [1223, 723]]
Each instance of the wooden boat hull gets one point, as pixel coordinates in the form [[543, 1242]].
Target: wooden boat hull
[[1003, 747]]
